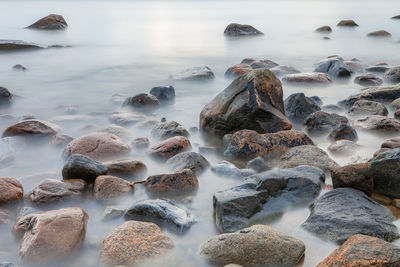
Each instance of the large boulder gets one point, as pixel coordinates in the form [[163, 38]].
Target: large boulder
[[259, 245], [194, 74], [298, 107], [188, 160], [50, 22], [31, 128], [321, 122], [357, 176], [366, 107], [10, 190], [48, 236], [252, 101], [307, 78], [378, 123], [236, 29], [343, 212], [132, 243], [393, 75], [334, 67], [81, 167], [51, 190], [170, 147], [108, 188], [181, 182]]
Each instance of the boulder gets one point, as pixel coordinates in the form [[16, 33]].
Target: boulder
[[16, 45], [31, 128], [82, 167], [132, 243], [258, 245], [50, 22], [165, 130], [188, 160], [51, 190], [393, 75], [252, 101], [10, 190], [5, 96], [379, 69], [281, 71], [324, 29], [334, 67], [357, 176], [343, 147], [307, 78], [363, 251], [142, 101], [321, 122], [237, 70], [170, 147], [162, 212], [263, 64], [343, 132], [363, 108], [48, 236], [98, 146], [347, 23], [330, 217], [236, 29], [377, 122], [298, 107], [194, 74], [108, 188], [126, 168], [368, 80], [395, 104], [181, 182], [380, 33], [164, 94]]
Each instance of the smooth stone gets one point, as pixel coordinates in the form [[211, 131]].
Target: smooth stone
[[343, 132], [170, 147], [5, 96], [126, 168], [392, 75], [82, 167], [380, 33], [50, 22], [164, 94], [368, 80], [142, 101], [363, 108], [188, 160], [334, 67], [236, 29], [354, 66], [10, 190], [378, 123], [321, 122], [343, 147], [298, 107], [237, 70], [112, 213], [165, 130], [126, 118], [227, 169], [347, 23], [306, 78], [16, 45], [180, 182], [357, 176], [324, 29], [108, 188], [281, 71], [263, 64], [194, 74], [140, 143], [31, 128]]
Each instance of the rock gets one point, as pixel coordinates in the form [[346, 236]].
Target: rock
[[354, 66], [397, 114], [132, 243], [140, 143], [298, 107], [170, 147], [332, 108], [31, 128], [395, 105], [271, 192], [5, 217], [237, 70], [126, 168], [162, 212], [180, 182], [169, 129], [5, 96], [252, 101], [188, 160], [391, 143], [343, 132], [50, 22], [60, 140], [380, 33], [97, 146], [321, 122], [343, 147], [235, 29], [366, 107], [259, 165], [379, 69], [393, 75], [107, 188], [126, 118], [227, 169], [384, 169], [324, 29], [82, 167], [209, 150], [142, 101], [119, 131], [164, 94], [247, 61], [334, 67], [357, 176], [263, 64], [194, 74], [111, 213], [48, 236], [280, 71], [396, 17], [10, 190], [51, 190], [378, 94], [15, 45], [307, 78], [247, 144], [258, 245], [307, 155], [368, 80], [377, 122], [363, 251], [347, 23], [330, 217]]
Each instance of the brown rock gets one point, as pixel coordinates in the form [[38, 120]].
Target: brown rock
[[31, 128], [132, 243], [343, 147], [343, 132], [184, 181], [347, 23], [380, 33], [377, 122], [170, 147], [356, 176], [10, 190], [51, 22], [263, 64], [381, 199], [308, 78], [324, 29], [142, 101], [368, 80], [380, 151], [391, 143], [238, 69], [126, 167], [50, 235], [107, 187]]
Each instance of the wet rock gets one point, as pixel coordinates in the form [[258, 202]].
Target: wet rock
[[107, 188], [298, 107], [343, 147], [397, 114], [368, 80], [165, 130], [19, 67], [31, 128], [164, 94], [357, 176], [263, 64], [332, 108], [140, 143], [162, 212], [236, 29], [51, 190], [379, 69], [280, 71], [5, 96], [82, 167], [15, 45], [188, 160], [227, 169], [10, 190], [377, 122], [334, 67], [395, 105], [381, 33], [142, 101], [330, 217], [307, 78], [271, 192], [237, 70], [396, 17], [247, 144], [111, 213], [119, 131], [61, 140], [347, 23], [324, 29], [393, 75], [170, 147], [126, 168], [391, 143], [321, 122], [247, 61], [132, 243], [126, 118], [50, 22], [363, 251], [307, 155], [180, 182], [354, 66], [50, 235], [343, 132], [252, 101], [366, 107], [259, 165], [97, 146], [259, 245], [194, 74]]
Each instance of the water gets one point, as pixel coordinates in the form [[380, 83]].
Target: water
[[128, 47]]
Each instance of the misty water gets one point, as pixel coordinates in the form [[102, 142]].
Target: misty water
[[128, 47]]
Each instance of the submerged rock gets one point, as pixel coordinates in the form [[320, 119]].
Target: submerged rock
[[263, 64], [343, 147], [163, 212], [347, 23], [298, 107], [393, 75], [237, 70], [170, 147], [140, 143], [379, 69], [126, 168], [307, 78], [10, 190], [252, 101], [181, 182], [82, 167], [324, 29], [15, 45], [343, 132], [357, 176], [367, 107], [334, 67], [126, 118], [330, 217], [258, 245], [368, 80], [354, 66], [51, 190], [37, 128], [164, 94], [50, 22], [321, 122], [236, 29], [107, 188], [165, 130], [381, 33], [117, 130], [5, 96], [142, 101], [227, 169], [280, 71], [194, 74], [188, 160], [377, 122]]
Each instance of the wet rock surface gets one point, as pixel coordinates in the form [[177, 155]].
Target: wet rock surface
[[188, 160], [357, 176], [307, 78], [142, 101], [281, 71], [169, 129], [335, 68], [393, 75], [378, 123], [368, 80], [343, 147], [170, 147], [194, 74], [16, 45], [10, 190], [108, 188], [82, 167], [366, 107], [347, 23], [227, 169], [30, 128], [236, 29], [380, 33], [181, 182], [321, 122], [237, 70], [50, 22], [164, 94], [126, 168], [343, 132], [298, 107]]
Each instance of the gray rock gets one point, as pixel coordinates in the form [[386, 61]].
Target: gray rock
[[259, 164], [188, 160], [164, 94], [235, 29], [379, 69], [51, 190], [227, 169], [368, 80], [5, 96], [82, 167], [335, 68], [165, 130], [194, 74], [16, 45], [298, 107], [393, 75], [363, 108], [280, 71], [321, 122]]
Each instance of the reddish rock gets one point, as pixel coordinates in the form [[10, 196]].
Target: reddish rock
[[142, 101], [238, 69], [377, 122], [109, 187], [126, 167], [50, 22], [31, 128], [357, 176], [184, 181], [170, 147], [132, 243], [308, 78], [10, 190]]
